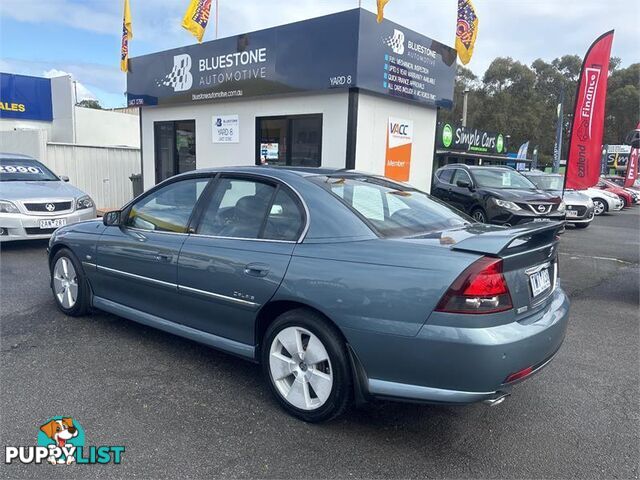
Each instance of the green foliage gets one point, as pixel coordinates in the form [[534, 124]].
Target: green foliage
[[521, 100], [88, 103]]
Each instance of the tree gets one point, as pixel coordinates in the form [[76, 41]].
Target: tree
[[90, 103]]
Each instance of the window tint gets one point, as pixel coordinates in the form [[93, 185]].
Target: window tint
[[237, 209], [167, 209], [445, 175], [460, 175], [285, 220]]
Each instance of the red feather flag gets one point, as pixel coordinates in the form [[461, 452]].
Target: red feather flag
[[585, 143]]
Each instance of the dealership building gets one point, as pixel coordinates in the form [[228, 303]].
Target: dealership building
[[338, 91]]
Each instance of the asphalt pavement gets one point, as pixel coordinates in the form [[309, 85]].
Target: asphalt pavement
[[185, 410]]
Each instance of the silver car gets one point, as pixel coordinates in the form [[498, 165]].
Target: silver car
[[580, 206], [34, 202]]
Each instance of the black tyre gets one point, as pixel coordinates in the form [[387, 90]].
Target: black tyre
[[600, 206], [581, 225], [69, 284], [306, 365], [479, 215]]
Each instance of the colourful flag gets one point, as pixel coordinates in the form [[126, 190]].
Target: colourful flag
[[585, 142], [196, 18], [632, 166], [557, 146], [381, 5], [523, 150], [127, 34], [466, 30]]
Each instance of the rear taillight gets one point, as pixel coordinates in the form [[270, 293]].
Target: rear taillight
[[481, 288]]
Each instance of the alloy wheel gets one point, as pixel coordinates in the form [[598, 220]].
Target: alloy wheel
[[65, 282], [479, 216], [300, 368], [598, 207]]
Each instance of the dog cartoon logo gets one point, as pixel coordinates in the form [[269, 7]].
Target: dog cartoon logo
[[396, 41], [63, 433], [179, 78]]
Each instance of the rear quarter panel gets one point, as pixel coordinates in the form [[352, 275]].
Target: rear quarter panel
[[376, 285]]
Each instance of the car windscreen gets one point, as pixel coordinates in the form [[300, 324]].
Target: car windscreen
[[24, 170], [501, 178], [547, 182], [391, 209]]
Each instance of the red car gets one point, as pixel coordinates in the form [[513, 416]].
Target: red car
[[613, 188]]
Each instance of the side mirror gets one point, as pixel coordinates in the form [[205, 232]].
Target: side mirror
[[464, 184], [64, 178], [111, 218]]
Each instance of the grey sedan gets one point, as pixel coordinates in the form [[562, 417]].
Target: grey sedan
[[34, 201], [344, 286]]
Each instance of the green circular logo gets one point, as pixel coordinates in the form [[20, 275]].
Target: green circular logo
[[447, 135], [499, 143]]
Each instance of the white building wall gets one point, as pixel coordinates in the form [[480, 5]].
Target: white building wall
[[373, 116], [104, 127], [333, 106]]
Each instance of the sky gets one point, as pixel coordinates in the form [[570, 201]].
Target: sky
[[82, 37]]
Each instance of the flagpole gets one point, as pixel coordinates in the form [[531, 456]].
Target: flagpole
[[217, 8]]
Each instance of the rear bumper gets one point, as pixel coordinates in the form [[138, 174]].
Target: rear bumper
[[456, 365], [19, 226]]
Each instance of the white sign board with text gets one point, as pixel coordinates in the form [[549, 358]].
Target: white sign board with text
[[226, 129]]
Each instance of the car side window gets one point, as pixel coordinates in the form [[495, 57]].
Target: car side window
[[460, 175], [169, 208], [445, 175], [237, 209], [285, 220]]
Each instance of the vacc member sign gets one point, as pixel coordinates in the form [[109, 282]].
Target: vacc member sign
[[343, 50]]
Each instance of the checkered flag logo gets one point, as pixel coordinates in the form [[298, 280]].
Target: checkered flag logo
[[180, 78], [395, 41]]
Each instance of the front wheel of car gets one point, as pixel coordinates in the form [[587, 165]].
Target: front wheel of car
[[69, 285], [581, 225], [306, 365], [599, 206], [479, 215]]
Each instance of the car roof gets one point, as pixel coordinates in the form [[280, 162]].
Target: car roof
[[476, 167], [14, 156]]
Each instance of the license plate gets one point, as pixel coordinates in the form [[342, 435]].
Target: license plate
[[53, 223], [540, 219], [540, 282], [572, 213]]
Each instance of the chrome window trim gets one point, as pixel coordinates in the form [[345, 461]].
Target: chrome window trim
[[218, 296], [242, 238]]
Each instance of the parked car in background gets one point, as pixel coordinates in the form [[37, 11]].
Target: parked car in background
[[626, 197], [341, 284], [580, 207], [603, 200], [495, 194], [619, 180], [635, 194], [34, 201]]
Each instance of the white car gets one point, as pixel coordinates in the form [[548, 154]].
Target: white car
[[604, 201], [34, 201]]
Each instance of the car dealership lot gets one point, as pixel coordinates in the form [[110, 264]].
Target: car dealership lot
[[182, 409]]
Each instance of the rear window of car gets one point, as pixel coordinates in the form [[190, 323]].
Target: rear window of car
[[24, 170], [547, 182], [392, 209]]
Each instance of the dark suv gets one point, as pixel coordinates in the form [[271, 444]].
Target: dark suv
[[495, 194]]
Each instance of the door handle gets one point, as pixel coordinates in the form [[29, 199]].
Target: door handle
[[256, 269], [161, 257]]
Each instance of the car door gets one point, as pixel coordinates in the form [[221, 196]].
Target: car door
[[234, 263], [442, 184], [460, 197], [137, 261]]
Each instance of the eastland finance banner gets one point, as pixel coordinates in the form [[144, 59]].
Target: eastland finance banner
[[585, 144], [344, 50]]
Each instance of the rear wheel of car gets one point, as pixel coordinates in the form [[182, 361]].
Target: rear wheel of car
[[69, 285], [599, 206], [479, 215], [305, 362]]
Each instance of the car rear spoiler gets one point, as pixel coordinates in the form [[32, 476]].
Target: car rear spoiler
[[513, 240]]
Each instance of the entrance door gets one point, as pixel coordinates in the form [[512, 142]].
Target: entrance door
[[175, 148]]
